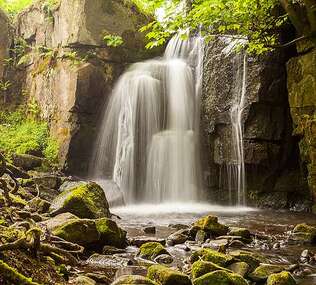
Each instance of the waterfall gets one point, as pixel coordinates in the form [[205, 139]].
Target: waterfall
[[148, 141], [236, 170]]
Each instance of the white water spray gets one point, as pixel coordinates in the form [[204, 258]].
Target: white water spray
[[149, 137]]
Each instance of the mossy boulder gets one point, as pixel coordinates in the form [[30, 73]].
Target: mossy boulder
[[83, 199], [211, 255], [220, 277], [133, 279], [27, 161], [210, 225], [202, 267], [263, 271], [86, 232], [242, 232], [241, 268], [110, 233], [167, 276], [251, 258], [151, 250], [81, 231], [282, 278], [305, 233]]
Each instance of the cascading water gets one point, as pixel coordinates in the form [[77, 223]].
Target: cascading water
[[149, 138], [236, 170]]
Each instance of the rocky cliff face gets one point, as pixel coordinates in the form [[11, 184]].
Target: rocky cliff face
[[273, 174], [69, 69], [302, 98], [5, 41]]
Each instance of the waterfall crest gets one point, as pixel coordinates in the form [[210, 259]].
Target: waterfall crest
[[148, 140]]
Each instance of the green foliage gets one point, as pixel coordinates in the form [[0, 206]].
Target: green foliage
[[13, 7], [113, 40], [257, 21], [21, 134]]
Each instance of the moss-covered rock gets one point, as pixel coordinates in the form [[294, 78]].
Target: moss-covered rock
[[83, 199], [86, 232], [241, 268], [252, 259], [211, 255], [133, 279], [110, 233], [282, 278], [304, 233], [11, 275], [167, 276], [151, 250], [27, 161], [83, 280], [263, 271], [80, 231], [220, 277], [210, 225], [242, 232], [202, 267]]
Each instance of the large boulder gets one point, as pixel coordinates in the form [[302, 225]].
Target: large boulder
[[167, 276], [27, 161], [86, 232], [304, 233], [83, 199]]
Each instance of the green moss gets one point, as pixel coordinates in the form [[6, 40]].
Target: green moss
[[263, 271], [211, 225], [83, 232], [17, 200], [110, 233], [252, 259], [202, 267], [11, 275], [86, 200], [8, 234], [283, 278], [211, 255], [242, 232], [305, 233], [150, 250], [220, 278], [166, 276], [240, 268]]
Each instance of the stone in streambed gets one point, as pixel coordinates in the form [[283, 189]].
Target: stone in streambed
[[139, 241], [220, 277], [252, 259], [178, 237], [211, 255], [164, 259], [83, 199], [263, 271], [241, 268], [304, 233], [240, 232], [201, 267], [282, 278], [134, 279], [210, 225], [167, 276], [83, 280], [151, 250], [108, 261]]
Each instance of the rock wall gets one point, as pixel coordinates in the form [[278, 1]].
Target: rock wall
[[302, 98], [69, 69], [5, 42], [274, 176]]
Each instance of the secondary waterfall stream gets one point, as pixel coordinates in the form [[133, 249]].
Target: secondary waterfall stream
[[149, 138]]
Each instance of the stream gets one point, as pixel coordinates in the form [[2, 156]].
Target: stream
[[271, 227]]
